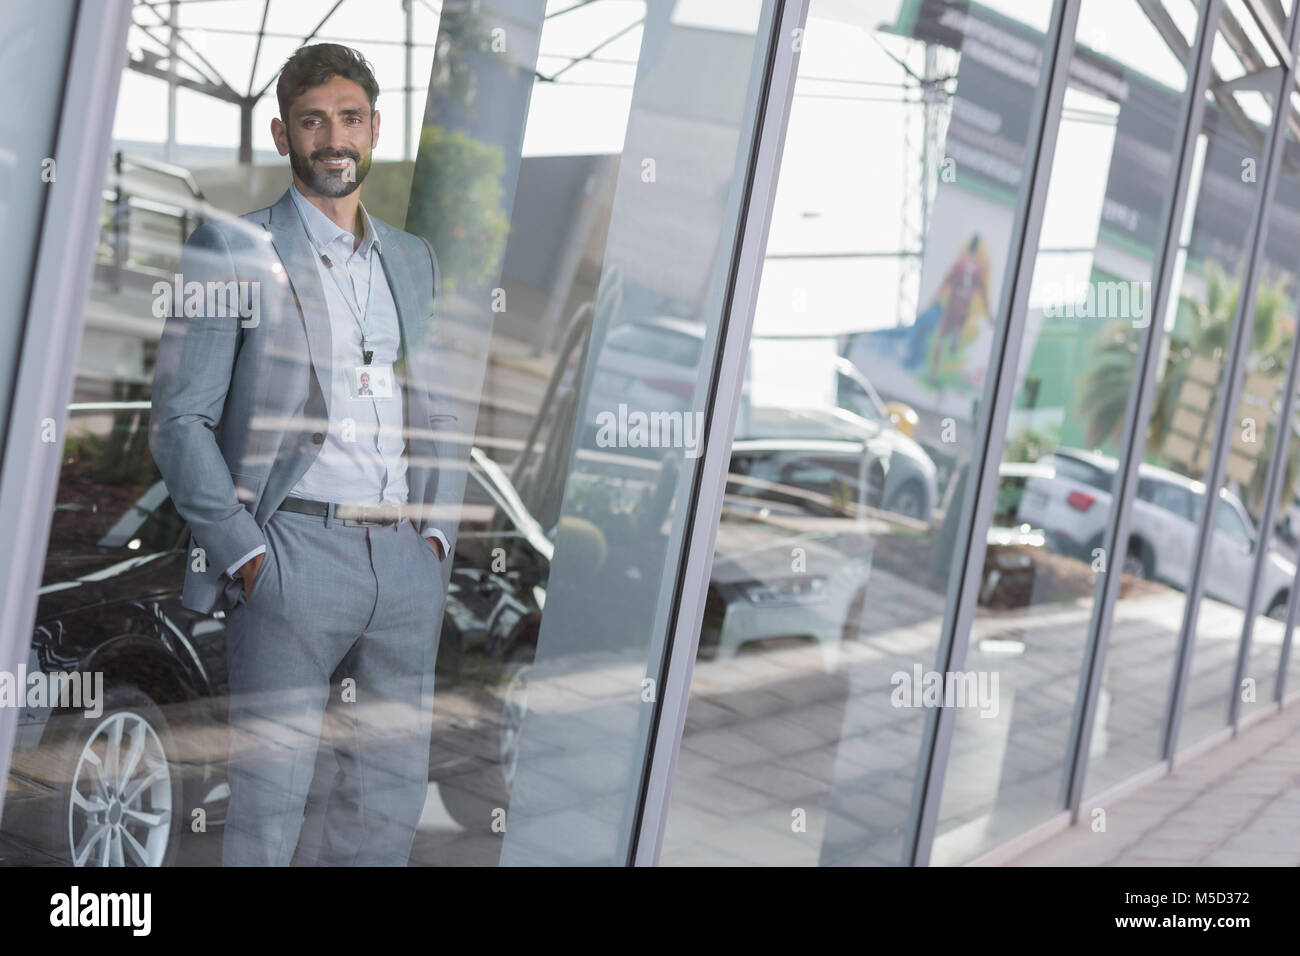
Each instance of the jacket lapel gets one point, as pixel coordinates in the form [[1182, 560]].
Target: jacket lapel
[[405, 292], [410, 318], [289, 237]]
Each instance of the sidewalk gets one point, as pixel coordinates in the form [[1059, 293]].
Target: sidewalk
[[1236, 805]]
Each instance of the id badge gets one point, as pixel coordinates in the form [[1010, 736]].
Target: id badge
[[371, 381]]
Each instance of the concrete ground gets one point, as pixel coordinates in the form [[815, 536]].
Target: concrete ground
[[1235, 805]]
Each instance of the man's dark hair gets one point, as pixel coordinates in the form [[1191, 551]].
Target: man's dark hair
[[314, 65]]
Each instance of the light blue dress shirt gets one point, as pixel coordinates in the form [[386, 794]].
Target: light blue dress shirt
[[362, 461]]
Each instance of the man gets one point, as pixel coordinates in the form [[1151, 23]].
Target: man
[[319, 520]]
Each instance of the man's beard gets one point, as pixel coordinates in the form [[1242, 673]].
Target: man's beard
[[329, 182]]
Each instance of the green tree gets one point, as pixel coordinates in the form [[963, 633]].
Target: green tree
[[456, 203], [1205, 332]]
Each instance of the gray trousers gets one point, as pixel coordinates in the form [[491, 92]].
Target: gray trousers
[[334, 646]]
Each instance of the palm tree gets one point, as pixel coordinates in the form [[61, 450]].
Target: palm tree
[[1103, 397]]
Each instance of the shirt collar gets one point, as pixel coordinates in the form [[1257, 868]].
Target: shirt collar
[[323, 230]]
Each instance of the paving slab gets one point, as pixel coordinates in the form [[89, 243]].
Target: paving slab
[[1237, 804]]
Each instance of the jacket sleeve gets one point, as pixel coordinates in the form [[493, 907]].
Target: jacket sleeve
[[196, 360]]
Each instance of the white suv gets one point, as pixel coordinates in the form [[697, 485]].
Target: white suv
[[1071, 501]]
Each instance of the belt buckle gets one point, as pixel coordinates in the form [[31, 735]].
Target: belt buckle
[[374, 515], [380, 515]]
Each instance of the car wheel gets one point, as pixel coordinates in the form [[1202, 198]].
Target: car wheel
[[1136, 562], [473, 797], [119, 802], [1277, 610], [908, 501], [514, 710]]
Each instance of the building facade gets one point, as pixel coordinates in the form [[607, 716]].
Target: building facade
[[875, 423]]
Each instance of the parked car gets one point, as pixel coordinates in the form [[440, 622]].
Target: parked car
[[820, 476], [828, 477], [845, 406], [649, 366], [1072, 505], [111, 603], [1013, 545], [653, 366]]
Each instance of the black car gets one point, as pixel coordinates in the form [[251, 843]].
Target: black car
[[119, 786], [129, 785]]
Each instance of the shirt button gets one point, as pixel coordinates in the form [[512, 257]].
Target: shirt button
[[317, 438]]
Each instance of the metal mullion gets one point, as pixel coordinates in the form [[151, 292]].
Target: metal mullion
[[1141, 400], [772, 117], [46, 364], [999, 393], [1271, 30], [1234, 369]]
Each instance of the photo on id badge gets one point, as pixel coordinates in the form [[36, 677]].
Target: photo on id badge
[[371, 381]]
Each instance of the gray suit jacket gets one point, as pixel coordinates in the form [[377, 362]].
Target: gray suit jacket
[[241, 406]]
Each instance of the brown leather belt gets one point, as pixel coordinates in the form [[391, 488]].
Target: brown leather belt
[[348, 514]]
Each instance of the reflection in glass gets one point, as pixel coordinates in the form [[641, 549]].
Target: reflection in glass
[[1089, 299], [1255, 440], [575, 279], [1133, 700], [1230, 560], [885, 269]]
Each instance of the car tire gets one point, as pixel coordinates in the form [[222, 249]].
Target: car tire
[[472, 798], [132, 816], [1137, 561], [1278, 608], [908, 501]]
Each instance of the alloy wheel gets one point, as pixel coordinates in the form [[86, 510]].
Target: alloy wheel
[[514, 708], [119, 813]]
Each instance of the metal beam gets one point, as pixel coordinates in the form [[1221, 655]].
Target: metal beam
[[257, 50], [305, 40], [773, 117], [148, 65], [1173, 38], [1271, 28]]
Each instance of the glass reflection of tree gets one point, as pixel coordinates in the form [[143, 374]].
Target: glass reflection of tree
[[457, 192], [456, 204], [1206, 333]]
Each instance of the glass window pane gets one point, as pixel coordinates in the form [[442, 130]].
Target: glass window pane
[[1089, 301], [578, 176], [1254, 441], [1134, 697], [886, 264], [33, 56]]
